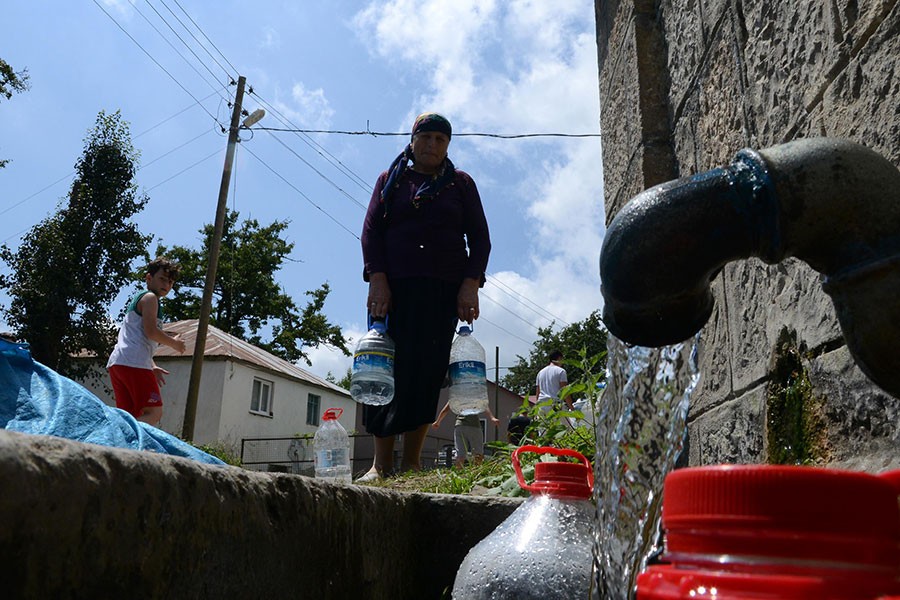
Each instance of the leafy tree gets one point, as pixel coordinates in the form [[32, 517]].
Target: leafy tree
[[248, 302], [587, 337], [10, 82], [344, 382], [70, 266]]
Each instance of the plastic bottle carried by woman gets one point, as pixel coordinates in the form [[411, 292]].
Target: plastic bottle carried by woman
[[468, 383], [372, 374]]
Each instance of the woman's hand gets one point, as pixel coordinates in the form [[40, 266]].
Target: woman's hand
[[467, 300], [379, 300]]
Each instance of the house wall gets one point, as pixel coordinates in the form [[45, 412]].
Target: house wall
[[289, 403], [684, 85]]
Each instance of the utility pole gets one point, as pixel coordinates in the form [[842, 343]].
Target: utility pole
[[190, 408], [496, 390]]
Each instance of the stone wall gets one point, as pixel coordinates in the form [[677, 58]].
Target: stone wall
[[684, 85], [85, 521]]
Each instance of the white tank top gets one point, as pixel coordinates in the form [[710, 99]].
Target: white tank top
[[134, 348]]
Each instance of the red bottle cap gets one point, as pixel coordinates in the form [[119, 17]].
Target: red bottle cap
[[805, 514], [332, 414], [557, 479]]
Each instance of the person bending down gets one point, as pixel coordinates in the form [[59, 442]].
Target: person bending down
[[468, 437]]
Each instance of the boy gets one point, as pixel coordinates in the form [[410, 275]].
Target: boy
[[135, 377]]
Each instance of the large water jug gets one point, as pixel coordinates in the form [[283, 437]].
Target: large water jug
[[332, 447], [777, 532], [372, 375], [468, 382], [542, 551]]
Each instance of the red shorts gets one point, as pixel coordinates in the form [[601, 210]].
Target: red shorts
[[135, 389]]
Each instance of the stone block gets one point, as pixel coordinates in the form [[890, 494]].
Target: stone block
[[861, 420], [79, 520], [731, 433]]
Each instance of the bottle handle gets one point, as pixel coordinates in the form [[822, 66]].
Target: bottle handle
[[547, 450], [370, 320], [332, 414]]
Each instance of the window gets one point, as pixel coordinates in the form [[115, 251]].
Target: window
[[261, 397], [313, 404]]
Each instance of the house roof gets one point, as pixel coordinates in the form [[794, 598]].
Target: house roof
[[222, 345]]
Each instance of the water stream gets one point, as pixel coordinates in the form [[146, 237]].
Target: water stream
[[641, 427]]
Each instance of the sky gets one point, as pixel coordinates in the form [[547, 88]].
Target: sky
[[492, 67]]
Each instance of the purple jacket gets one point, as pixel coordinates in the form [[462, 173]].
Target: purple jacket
[[428, 241]]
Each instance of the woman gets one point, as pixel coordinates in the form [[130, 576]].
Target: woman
[[422, 216]]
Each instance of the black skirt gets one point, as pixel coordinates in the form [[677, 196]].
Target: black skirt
[[421, 322]]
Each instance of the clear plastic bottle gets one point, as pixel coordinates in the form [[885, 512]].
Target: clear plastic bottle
[[468, 382], [542, 551], [332, 447], [372, 375]]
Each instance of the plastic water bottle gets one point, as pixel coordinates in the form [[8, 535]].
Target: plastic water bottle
[[542, 551], [332, 447], [777, 532], [372, 375], [468, 383]]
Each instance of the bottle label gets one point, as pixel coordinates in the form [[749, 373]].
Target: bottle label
[[334, 457], [467, 371], [367, 360]]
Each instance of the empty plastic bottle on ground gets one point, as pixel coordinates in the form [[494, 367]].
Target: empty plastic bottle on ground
[[372, 376], [468, 384], [332, 447], [542, 551]]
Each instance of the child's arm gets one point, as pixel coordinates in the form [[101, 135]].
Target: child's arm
[[491, 417], [149, 305], [441, 415]]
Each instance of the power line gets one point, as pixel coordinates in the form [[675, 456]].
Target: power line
[[150, 56], [320, 174], [483, 318], [199, 43], [522, 299], [506, 136], [233, 68], [305, 197], [318, 148], [184, 170], [482, 294], [171, 45]]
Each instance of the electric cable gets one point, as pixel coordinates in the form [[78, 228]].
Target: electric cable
[[304, 196], [172, 46], [232, 74], [150, 56]]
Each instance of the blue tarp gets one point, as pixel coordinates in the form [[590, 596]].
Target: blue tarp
[[35, 399]]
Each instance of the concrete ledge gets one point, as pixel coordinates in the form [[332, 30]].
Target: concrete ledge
[[85, 521]]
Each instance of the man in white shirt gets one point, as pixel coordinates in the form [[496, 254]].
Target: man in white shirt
[[551, 379]]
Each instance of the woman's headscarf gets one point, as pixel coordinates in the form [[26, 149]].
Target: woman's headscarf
[[429, 121]]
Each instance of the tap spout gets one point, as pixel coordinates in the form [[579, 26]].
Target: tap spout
[[832, 203]]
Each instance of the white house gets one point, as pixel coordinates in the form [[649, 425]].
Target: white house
[[245, 393]]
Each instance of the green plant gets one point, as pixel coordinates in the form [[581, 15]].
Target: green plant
[[794, 424], [221, 452], [553, 427]]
